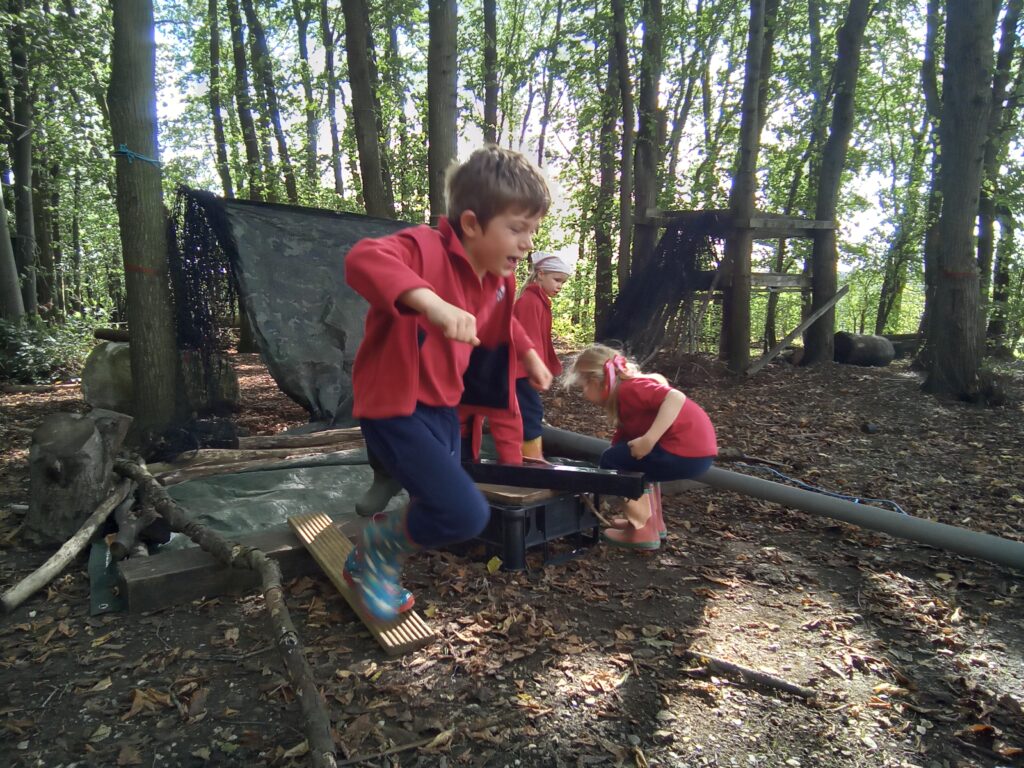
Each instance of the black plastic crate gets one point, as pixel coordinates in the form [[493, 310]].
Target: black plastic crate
[[513, 529]]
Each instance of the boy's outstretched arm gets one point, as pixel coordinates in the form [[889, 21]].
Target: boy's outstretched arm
[[457, 324], [670, 408]]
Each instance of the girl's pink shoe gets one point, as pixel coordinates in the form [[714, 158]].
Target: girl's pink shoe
[[633, 538]]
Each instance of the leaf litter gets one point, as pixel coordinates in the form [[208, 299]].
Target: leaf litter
[[916, 653]]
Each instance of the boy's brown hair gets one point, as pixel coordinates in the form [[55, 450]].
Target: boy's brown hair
[[494, 180]]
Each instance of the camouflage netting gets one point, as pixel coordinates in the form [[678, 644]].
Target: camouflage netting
[[657, 307], [286, 264]]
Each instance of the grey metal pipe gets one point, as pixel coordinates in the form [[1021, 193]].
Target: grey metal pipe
[[963, 541]]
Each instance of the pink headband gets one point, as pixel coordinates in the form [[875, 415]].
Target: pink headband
[[613, 366]]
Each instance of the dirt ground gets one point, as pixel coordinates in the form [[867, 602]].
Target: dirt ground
[[915, 656]]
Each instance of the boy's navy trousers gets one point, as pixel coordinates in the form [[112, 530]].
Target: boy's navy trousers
[[422, 451]]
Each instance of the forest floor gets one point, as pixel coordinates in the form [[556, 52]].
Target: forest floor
[[916, 655]]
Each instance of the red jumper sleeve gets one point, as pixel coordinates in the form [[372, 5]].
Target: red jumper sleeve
[[380, 270]]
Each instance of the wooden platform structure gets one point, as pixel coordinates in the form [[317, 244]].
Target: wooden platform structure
[[329, 548], [763, 226]]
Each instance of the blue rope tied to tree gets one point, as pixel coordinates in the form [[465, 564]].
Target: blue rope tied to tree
[[834, 494], [132, 156]]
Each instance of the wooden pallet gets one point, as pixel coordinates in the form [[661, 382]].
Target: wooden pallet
[[329, 548]]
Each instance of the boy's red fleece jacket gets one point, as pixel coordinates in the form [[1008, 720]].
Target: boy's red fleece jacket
[[404, 360]]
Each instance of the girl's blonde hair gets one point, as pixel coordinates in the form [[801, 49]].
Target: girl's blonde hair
[[592, 364]]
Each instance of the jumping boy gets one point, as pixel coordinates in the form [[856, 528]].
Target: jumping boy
[[429, 290]]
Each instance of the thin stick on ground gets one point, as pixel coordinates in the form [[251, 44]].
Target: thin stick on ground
[[752, 675], [314, 710], [49, 570]]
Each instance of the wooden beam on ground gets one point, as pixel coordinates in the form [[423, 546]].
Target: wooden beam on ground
[[757, 366], [329, 548], [324, 437], [177, 576]]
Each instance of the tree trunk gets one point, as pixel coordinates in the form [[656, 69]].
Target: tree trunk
[[223, 167], [70, 465], [818, 339], [243, 102], [302, 11], [604, 210], [997, 326], [264, 69], [56, 244], [362, 69], [12, 305], [907, 236], [442, 105], [24, 220], [548, 78], [140, 209], [490, 71], [328, 40], [999, 130], [397, 79], [953, 337], [736, 303], [45, 272], [626, 158], [648, 154]]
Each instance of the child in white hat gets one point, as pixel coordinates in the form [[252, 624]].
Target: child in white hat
[[533, 311]]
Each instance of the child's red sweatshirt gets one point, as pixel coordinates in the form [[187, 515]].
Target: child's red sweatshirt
[[533, 310], [404, 360]]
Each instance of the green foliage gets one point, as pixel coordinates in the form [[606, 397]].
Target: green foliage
[[34, 351]]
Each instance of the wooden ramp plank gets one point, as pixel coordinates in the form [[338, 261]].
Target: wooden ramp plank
[[329, 548]]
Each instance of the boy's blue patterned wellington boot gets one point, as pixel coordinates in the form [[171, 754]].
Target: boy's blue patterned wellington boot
[[353, 572], [378, 562]]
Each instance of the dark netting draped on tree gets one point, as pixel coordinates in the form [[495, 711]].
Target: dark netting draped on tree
[[201, 279], [287, 265], [656, 306]]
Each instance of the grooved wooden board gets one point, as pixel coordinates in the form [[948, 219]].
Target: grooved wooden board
[[329, 548]]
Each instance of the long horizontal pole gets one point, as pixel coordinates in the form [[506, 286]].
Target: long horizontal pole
[[984, 546]]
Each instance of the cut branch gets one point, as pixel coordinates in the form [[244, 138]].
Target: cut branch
[[752, 675], [68, 552], [233, 555]]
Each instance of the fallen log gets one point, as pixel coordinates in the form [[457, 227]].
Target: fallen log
[[168, 475], [68, 552], [325, 437], [862, 349], [289, 644], [111, 334]]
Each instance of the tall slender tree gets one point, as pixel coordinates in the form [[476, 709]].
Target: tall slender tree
[[736, 305], [378, 197], [140, 210], [328, 39], [12, 306], [648, 152], [21, 137], [302, 11], [824, 259], [442, 105], [219, 139], [263, 67], [243, 103], [490, 71], [954, 323]]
